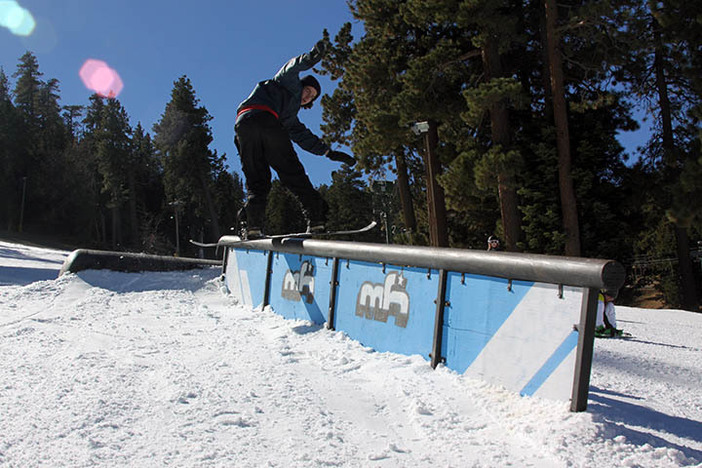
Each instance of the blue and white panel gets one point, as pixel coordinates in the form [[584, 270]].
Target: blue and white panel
[[388, 309], [246, 275], [519, 335], [300, 287]]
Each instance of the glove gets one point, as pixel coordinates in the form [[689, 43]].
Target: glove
[[340, 156], [319, 50]]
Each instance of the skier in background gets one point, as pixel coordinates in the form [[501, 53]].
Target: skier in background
[[606, 321], [493, 243], [266, 124]]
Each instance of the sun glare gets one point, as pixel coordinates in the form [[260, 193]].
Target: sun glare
[[15, 18], [99, 77]]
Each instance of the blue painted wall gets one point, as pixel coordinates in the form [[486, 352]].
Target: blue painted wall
[[300, 287], [391, 310], [516, 334]]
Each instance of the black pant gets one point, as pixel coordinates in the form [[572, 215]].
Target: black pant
[[263, 144]]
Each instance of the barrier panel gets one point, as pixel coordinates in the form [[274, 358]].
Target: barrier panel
[[522, 321]]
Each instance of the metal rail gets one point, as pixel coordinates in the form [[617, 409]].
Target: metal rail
[[571, 271]]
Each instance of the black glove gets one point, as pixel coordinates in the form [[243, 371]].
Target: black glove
[[341, 157], [319, 50]]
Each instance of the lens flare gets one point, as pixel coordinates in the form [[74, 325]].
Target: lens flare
[[15, 18], [99, 77]]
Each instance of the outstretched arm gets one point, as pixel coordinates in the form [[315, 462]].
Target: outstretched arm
[[292, 69]]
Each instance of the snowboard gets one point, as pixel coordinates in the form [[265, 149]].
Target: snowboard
[[232, 240], [622, 336]]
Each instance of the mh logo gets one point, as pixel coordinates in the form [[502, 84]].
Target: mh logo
[[377, 301], [299, 284]]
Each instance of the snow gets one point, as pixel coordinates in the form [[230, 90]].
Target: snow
[[164, 369]]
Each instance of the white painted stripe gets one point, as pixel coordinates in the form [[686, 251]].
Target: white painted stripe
[[238, 280], [536, 328]]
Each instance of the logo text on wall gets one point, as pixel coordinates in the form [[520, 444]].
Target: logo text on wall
[[378, 301], [299, 285]]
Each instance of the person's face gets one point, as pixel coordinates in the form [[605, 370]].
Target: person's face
[[494, 244], [308, 95]]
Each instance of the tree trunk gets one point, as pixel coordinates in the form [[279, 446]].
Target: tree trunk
[[438, 233], [569, 207], [133, 218], [405, 194], [690, 301], [116, 241], [214, 221], [500, 132]]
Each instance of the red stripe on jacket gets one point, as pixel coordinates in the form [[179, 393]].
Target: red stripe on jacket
[[256, 107]]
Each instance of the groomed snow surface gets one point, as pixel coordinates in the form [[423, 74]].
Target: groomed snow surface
[[165, 369]]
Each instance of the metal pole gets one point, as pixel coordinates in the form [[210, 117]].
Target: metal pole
[[569, 271], [24, 191], [387, 230], [177, 232], [175, 204], [267, 286], [333, 287], [436, 357], [583, 359]]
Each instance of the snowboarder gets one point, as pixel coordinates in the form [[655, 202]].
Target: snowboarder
[[606, 321], [266, 122]]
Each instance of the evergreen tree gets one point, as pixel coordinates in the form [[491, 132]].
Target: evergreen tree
[[28, 87], [350, 202], [147, 198], [44, 144], [182, 137], [660, 63], [10, 151], [229, 199], [113, 151], [399, 73], [339, 111], [283, 211]]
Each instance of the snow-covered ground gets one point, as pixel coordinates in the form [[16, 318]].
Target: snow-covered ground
[[164, 369]]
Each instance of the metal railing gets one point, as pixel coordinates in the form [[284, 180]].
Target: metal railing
[[570, 271]]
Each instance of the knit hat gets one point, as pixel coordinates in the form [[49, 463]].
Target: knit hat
[[310, 80]]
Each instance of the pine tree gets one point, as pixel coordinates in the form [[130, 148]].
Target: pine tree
[[146, 193], [349, 201], [28, 87], [228, 198], [569, 207], [182, 137], [44, 144], [113, 145], [339, 111], [659, 62], [283, 211], [10, 144]]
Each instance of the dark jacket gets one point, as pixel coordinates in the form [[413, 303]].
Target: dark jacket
[[282, 96]]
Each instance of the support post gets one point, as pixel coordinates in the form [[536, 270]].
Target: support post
[[225, 259], [333, 286], [267, 287], [436, 357], [583, 359]]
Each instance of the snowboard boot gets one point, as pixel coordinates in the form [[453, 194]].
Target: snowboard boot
[[317, 217], [252, 225]]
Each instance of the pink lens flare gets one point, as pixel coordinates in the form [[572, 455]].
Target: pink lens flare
[[99, 77]]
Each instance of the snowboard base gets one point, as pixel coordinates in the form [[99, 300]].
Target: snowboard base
[[232, 240]]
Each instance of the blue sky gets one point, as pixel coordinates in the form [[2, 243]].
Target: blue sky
[[224, 46]]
